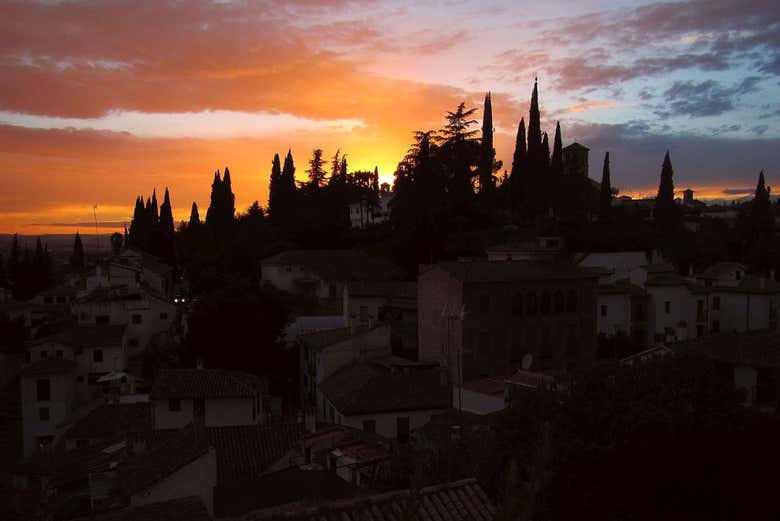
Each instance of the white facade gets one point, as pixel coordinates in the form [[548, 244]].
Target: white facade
[[364, 213], [369, 345], [41, 415], [197, 478], [476, 402], [218, 412]]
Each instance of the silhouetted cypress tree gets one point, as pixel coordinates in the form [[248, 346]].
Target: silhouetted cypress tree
[[194, 221], [556, 161], [375, 181], [77, 257], [517, 176], [665, 213], [14, 260], [316, 172], [228, 197], [216, 198], [343, 169], [545, 153], [166, 248], [137, 224], [155, 214], [605, 198], [274, 188], [335, 165], [535, 132], [487, 152], [761, 217]]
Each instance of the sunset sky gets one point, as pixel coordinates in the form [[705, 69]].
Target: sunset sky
[[103, 100]]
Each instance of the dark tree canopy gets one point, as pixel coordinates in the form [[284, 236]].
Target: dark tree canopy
[[605, 198], [77, 257], [274, 189], [487, 152], [666, 213]]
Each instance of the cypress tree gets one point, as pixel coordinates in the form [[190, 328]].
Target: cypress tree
[[761, 217], [665, 212], [167, 234], [194, 216], [375, 181], [274, 187], [517, 174], [343, 168], [288, 177], [228, 197], [14, 260], [556, 162], [605, 199], [77, 257], [535, 132], [335, 166], [545, 153], [155, 214], [487, 152], [215, 200]]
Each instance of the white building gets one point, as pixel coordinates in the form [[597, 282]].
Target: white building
[[48, 391], [213, 397], [367, 213]]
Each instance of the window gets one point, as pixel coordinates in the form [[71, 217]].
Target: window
[[163, 316], [80, 379], [59, 354], [716, 303], [137, 319], [43, 414], [363, 314], [558, 302], [174, 405], [572, 301], [402, 429], [530, 305], [716, 326], [517, 305], [484, 304], [667, 307], [97, 355], [332, 291], [44, 355], [603, 310], [484, 343], [102, 320], [43, 388], [369, 426], [545, 303], [699, 330]]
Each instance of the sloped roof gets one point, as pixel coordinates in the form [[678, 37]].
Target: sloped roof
[[620, 287], [246, 451], [383, 288], [88, 336], [337, 265], [204, 383], [575, 146], [143, 471], [111, 419], [326, 337], [511, 271], [180, 509], [364, 388], [49, 366], [720, 269], [458, 501]]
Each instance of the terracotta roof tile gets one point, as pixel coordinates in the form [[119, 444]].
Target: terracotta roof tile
[[49, 366], [204, 383], [509, 271], [459, 501], [112, 419], [181, 509]]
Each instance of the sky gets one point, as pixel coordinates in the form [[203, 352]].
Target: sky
[[101, 101]]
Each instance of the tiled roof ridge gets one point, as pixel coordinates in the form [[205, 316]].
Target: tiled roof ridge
[[361, 501]]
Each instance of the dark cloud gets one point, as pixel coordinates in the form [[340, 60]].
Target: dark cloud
[[738, 191], [637, 150], [706, 98], [759, 129]]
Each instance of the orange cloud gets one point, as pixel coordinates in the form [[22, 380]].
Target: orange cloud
[[594, 105]]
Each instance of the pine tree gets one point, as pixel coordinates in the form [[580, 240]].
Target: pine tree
[[316, 172], [77, 257], [335, 165], [605, 199], [194, 221], [487, 152], [665, 212], [343, 169], [274, 188]]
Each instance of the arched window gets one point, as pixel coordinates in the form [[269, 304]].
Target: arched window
[[558, 302], [571, 304], [530, 305], [545, 303], [517, 305]]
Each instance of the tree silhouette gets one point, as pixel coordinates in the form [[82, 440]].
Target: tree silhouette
[[316, 172], [275, 197], [666, 213], [194, 216], [605, 198], [518, 175], [77, 257], [487, 152], [166, 233]]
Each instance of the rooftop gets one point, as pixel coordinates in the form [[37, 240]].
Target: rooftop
[[112, 419], [205, 383], [383, 288], [364, 387], [88, 336], [511, 271], [458, 501], [184, 509], [337, 265]]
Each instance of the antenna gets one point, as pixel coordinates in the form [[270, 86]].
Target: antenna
[[97, 236]]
